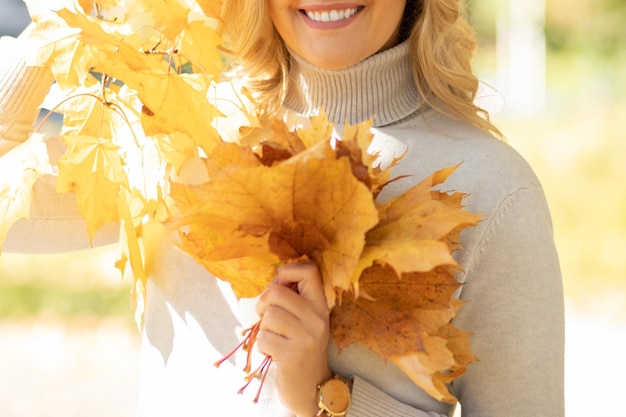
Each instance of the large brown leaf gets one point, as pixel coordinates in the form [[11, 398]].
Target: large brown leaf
[[309, 205], [407, 320], [405, 284]]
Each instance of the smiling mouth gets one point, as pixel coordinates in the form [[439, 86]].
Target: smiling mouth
[[330, 16]]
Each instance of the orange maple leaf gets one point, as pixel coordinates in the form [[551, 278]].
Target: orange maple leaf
[[309, 205], [413, 229], [406, 319], [405, 284]]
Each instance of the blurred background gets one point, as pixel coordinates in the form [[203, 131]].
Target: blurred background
[[554, 75]]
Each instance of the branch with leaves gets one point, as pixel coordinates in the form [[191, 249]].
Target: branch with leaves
[[156, 143]]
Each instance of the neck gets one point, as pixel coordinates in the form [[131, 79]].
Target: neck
[[381, 86]]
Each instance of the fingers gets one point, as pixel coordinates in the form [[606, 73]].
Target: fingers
[[281, 322], [294, 331], [284, 336], [307, 277], [280, 296], [309, 298], [288, 316]]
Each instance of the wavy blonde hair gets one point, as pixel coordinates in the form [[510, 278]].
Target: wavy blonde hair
[[441, 44]]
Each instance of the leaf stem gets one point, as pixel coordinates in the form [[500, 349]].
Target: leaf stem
[[249, 339], [250, 335], [45, 118]]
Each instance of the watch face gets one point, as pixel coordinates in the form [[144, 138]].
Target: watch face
[[335, 396]]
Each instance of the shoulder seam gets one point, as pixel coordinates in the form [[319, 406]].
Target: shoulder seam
[[500, 209]]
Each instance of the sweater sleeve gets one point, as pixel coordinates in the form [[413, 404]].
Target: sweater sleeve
[[515, 310], [369, 401], [22, 90], [55, 225]]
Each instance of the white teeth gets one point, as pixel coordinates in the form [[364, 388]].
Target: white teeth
[[332, 15]]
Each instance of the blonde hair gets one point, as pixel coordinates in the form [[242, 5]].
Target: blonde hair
[[260, 57], [441, 44]]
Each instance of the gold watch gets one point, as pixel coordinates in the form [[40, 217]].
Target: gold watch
[[333, 397]]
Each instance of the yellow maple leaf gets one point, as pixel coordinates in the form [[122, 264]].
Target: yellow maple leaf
[[57, 45], [19, 169], [172, 101], [115, 169], [355, 144], [176, 148], [212, 8], [92, 169], [168, 17], [239, 121], [206, 60], [172, 104], [244, 260], [87, 113], [319, 130], [227, 155], [142, 234]]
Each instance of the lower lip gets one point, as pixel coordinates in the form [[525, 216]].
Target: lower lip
[[329, 25]]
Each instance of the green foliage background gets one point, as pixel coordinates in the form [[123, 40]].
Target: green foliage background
[[578, 144]]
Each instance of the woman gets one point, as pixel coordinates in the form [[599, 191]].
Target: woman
[[407, 64]]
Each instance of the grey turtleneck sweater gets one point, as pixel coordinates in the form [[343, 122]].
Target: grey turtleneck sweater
[[512, 281]]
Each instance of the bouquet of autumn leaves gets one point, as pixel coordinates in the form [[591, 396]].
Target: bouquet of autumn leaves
[[387, 269], [142, 105]]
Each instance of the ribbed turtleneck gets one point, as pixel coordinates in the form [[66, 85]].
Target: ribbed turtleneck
[[22, 89], [380, 86]]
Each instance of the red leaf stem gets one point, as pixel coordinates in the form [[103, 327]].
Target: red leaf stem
[[249, 339]]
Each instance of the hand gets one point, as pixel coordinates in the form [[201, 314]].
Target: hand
[[294, 332]]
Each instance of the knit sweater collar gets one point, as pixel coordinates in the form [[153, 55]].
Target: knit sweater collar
[[380, 86]]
